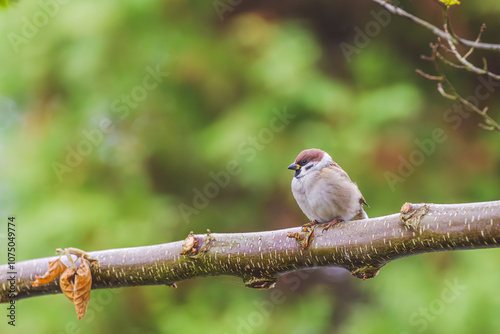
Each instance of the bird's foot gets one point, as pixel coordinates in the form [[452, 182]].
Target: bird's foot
[[330, 224], [310, 224]]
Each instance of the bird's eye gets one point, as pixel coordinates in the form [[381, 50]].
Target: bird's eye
[[304, 161]]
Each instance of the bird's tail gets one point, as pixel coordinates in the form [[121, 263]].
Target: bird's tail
[[361, 215]]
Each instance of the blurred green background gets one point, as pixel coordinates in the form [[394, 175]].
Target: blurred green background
[[98, 153]]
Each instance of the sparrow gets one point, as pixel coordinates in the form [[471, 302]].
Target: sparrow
[[323, 191]]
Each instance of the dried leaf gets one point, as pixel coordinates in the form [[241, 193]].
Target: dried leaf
[[56, 267], [76, 286]]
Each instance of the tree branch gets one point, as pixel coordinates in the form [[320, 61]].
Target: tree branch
[[435, 30], [490, 123], [259, 258], [448, 41]]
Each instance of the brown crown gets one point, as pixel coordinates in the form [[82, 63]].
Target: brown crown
[[312, 154]]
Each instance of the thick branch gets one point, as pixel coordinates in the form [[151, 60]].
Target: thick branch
[[362, 247]]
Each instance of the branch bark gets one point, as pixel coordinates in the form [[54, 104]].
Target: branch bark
[[259, 258]]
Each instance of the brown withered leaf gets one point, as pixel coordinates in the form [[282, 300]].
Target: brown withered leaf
[[56, 267], [76, 286]]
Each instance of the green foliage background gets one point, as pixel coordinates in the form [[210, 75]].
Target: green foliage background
[[228, 76]]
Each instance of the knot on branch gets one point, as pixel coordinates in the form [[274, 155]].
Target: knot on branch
[[260, 282], [190, 246], [365, 272], [412, 213], [303, 238], [193, 245]]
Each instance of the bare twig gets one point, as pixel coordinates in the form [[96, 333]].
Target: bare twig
[[462, 59], [491, 124], [478, 39], [428, 76], [447, 40], [448, 62], [435, 30]]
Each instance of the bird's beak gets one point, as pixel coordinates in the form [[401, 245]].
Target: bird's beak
[[294, 166]]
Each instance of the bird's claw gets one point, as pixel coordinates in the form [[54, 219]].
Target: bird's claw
[[310, 224], [330, 224]]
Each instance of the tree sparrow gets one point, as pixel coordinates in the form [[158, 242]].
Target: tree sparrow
[[323, 191]]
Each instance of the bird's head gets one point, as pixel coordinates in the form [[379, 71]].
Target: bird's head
[[309, 161]]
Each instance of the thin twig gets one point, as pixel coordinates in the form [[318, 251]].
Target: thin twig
[[428, 76], [468, 66], [435, 30], [447, 41], [449, 62], [453, 95], [478, 39]]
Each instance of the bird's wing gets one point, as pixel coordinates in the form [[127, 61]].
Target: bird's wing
[[336, 168]]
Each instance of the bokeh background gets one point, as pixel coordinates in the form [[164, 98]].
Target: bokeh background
[[97, 153]]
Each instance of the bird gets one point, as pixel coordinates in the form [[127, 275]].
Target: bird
[[324, 191]]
